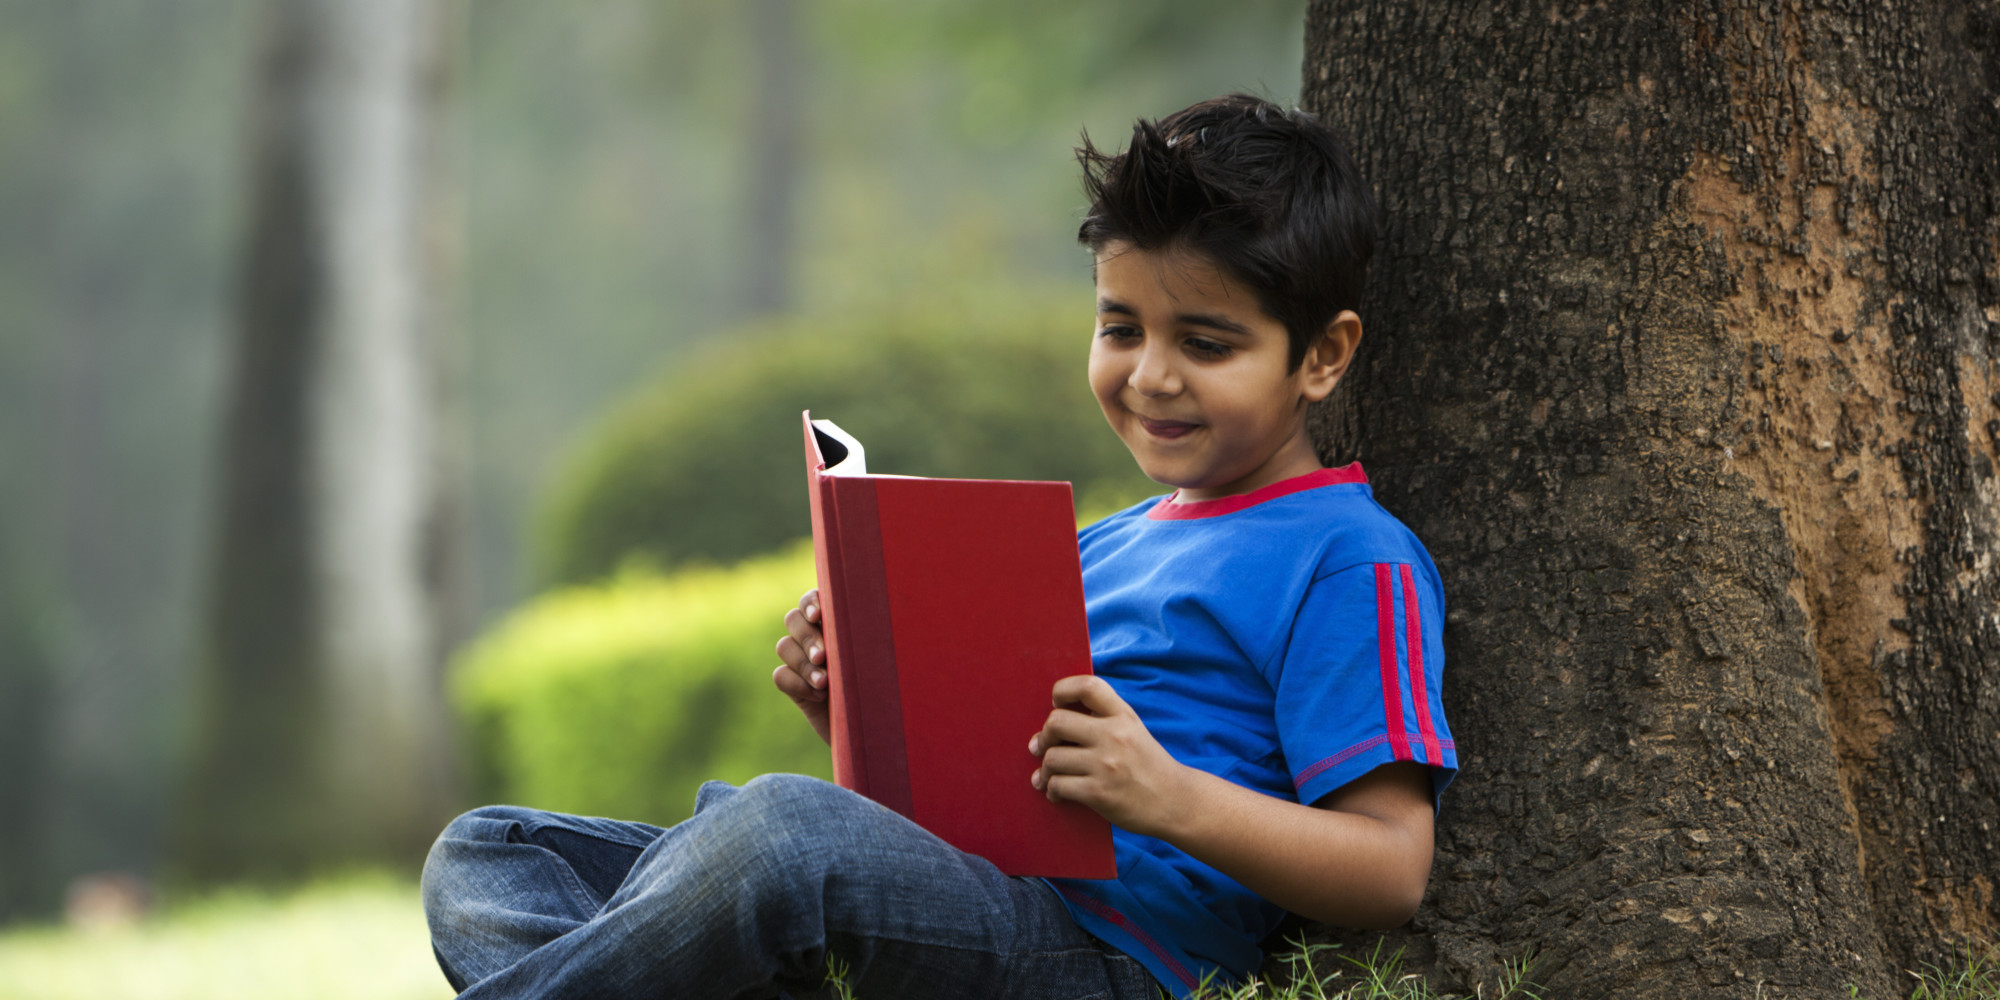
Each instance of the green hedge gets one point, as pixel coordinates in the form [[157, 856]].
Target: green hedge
[[706, 464], [619, 698]]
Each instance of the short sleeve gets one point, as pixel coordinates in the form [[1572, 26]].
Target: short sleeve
[[1361, 677]]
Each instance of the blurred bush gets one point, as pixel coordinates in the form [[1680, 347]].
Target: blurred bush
[[707, 463], [619, 698]]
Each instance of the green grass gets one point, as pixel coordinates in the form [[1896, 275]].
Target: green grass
[[349, 938], [364, 937], [1319, 972], [1376, 977], [1975, 976]]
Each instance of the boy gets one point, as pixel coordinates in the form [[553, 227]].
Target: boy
[[1263, 728]]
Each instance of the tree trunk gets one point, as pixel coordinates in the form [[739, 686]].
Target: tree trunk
[[320, 736], [772, 176], [25, 702], [1680, 359]]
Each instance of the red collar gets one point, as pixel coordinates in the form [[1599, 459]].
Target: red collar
[[1168, 510]]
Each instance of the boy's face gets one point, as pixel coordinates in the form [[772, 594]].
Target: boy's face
[[1193, 375]]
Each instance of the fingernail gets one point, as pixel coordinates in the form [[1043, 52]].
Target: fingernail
[[812, 612], [815, 650], [1035, 779], [1035, 745], [819, 678]]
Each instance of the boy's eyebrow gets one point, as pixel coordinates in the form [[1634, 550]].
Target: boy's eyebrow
[[1209, 320], [1213, 322]]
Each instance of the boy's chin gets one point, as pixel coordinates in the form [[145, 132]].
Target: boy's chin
[[1185, 477], [1180, 484], [1163, 476], [1167, 470]]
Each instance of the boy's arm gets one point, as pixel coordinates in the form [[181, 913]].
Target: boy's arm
[[1359, 857]]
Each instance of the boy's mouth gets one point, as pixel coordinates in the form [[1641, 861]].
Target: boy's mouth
[[1167, 428]]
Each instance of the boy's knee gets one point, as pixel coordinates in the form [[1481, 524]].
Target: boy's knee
[[795, 805], [764, 854], [797, 789], [788, 822], [444, 867]]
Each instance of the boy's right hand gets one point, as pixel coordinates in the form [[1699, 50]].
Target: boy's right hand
[[802, 677]]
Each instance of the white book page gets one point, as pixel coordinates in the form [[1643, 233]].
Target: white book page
[[844, 455]]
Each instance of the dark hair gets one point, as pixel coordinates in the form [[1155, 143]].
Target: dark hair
[[1269, 195]]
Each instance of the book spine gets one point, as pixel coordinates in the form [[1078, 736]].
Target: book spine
[[866, 685], [826, 557]]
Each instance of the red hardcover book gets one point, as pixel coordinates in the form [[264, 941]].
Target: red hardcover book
[[951, 607]]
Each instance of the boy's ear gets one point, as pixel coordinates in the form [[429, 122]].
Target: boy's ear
[[1327, 358]]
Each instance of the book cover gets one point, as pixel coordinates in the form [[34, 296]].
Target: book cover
[[950, 607]]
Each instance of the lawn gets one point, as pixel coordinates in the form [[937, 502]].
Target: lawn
[[356, 937], [364, 937]]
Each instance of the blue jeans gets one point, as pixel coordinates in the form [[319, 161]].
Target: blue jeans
[[763, 890]]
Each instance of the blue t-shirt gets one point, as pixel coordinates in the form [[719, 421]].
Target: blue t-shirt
[[1289, 640]]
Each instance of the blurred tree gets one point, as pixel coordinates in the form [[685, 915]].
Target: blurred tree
[[774, 145], [1685, 329], [25, 701], [114, 216], [319, 732]]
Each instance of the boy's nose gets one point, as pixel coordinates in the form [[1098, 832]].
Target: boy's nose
[[1153, 374]]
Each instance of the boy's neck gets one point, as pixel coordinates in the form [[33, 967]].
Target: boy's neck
[[1349, 474], [1295, 458]]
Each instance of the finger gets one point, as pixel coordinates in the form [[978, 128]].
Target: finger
[[793, 654], [809, 636], [811, 643], [1065, 726], [809, 604], [1093, 693], [796, 660], [1042, 777], [794, 686], [1067, 788], [1067, 760]]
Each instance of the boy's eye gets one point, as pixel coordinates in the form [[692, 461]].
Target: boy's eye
[[1206, 348], [1118, 331]]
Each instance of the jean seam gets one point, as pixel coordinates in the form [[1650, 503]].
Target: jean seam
[[569, 875], [567, 872], [592, 834]]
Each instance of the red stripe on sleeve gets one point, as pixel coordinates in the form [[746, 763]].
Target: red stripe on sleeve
[[1414, 639], [1392, 688]]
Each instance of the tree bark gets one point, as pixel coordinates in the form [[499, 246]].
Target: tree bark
[[1679, 357], [321, 733]]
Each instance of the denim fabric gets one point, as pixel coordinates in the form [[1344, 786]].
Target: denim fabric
[[755, 894]]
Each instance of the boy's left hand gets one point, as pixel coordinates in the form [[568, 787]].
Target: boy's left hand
[[1096, 751]]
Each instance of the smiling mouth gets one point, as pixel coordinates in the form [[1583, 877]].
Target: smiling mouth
[[1167, 428]]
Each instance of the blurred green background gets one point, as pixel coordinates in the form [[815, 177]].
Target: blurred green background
[[660, 229]]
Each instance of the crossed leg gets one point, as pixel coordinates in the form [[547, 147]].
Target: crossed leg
[[763, 890]]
